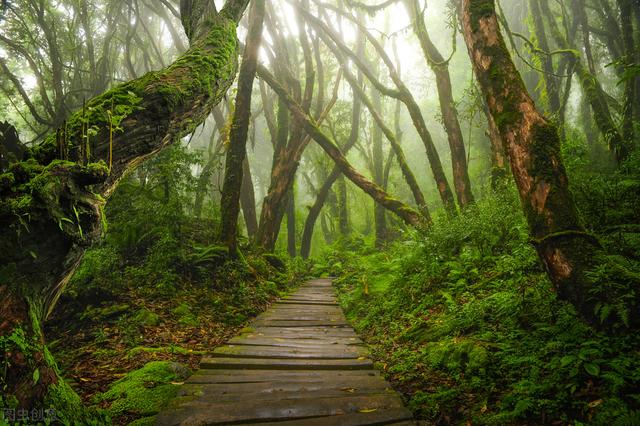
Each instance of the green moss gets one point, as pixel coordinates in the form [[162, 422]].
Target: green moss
[[480, 9], [144, 391], [145, 317], [171, 349], [185, 315], [100, 314], [6, 181], [145, 421]]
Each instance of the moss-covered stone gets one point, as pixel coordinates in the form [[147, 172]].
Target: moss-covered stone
[[145, 317], [144, 391], [185, 315]]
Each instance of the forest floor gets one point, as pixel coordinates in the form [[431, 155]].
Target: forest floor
[[465, 323], [101, 336]]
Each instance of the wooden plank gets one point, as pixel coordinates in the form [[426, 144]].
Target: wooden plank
[[301, 323], [277, 376], [285, 364], [276, 352], [392, 416], [341, 386], [279, 392], [196, 412], [305, 302], [307, 329], [300, 314], [252, 339]]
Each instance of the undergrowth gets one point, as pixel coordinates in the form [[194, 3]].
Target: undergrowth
[[156, 294], [465, 323]]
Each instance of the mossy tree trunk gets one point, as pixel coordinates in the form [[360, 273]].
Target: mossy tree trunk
[[629, 101], [291, 222], [51, 203], [323, 192], [548, 77], [287, 153], [591, 90], [248, 200], [377, 162], [405, 212], [373, 106], [440, 67], [499, 166], [344, 224], [568, 253], [237, 151], [334, 42]]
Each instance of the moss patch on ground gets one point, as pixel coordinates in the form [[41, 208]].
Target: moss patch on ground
[[145, 391]]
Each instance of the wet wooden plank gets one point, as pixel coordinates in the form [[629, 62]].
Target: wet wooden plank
[[393, 416], [276, 352], [280, 376], [280, 392], [306, 302], [341, 385], [196, 412], [300, 323], [285, 364], [262, 340]]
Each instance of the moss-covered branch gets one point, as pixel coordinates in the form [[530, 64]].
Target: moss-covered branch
[[405, 212]]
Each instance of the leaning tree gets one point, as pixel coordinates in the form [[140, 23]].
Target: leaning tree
[[601, 289], [52, 199]]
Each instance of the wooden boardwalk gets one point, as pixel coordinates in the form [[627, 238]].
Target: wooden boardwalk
[[299, 363]]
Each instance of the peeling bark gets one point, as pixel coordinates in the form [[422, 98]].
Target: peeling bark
[[567, 251]]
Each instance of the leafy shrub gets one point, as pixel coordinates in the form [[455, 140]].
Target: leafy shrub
[[466, 322]]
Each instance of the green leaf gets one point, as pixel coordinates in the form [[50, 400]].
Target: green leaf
[[36, 376], [591, 368], [567, 360]]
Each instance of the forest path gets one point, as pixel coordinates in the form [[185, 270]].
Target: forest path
[[299, 363]]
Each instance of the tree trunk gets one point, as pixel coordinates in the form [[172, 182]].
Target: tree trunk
[[499, 167], [548, 77], [373, 105], [291, 223], [377, 160], [405, 212], [248, 200], [153, 112], [592, 90], [344, 225], [402, 93], [286, 156], [440, 68], [568, 253], [237, 153], [321, 197], [626, 16]]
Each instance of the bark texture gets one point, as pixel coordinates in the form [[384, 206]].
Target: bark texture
[[567, 251], [53, 209], [237, 153]]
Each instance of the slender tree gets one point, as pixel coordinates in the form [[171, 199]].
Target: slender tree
[[440, 67], [401, 92], [405, 212], [237, 153]]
